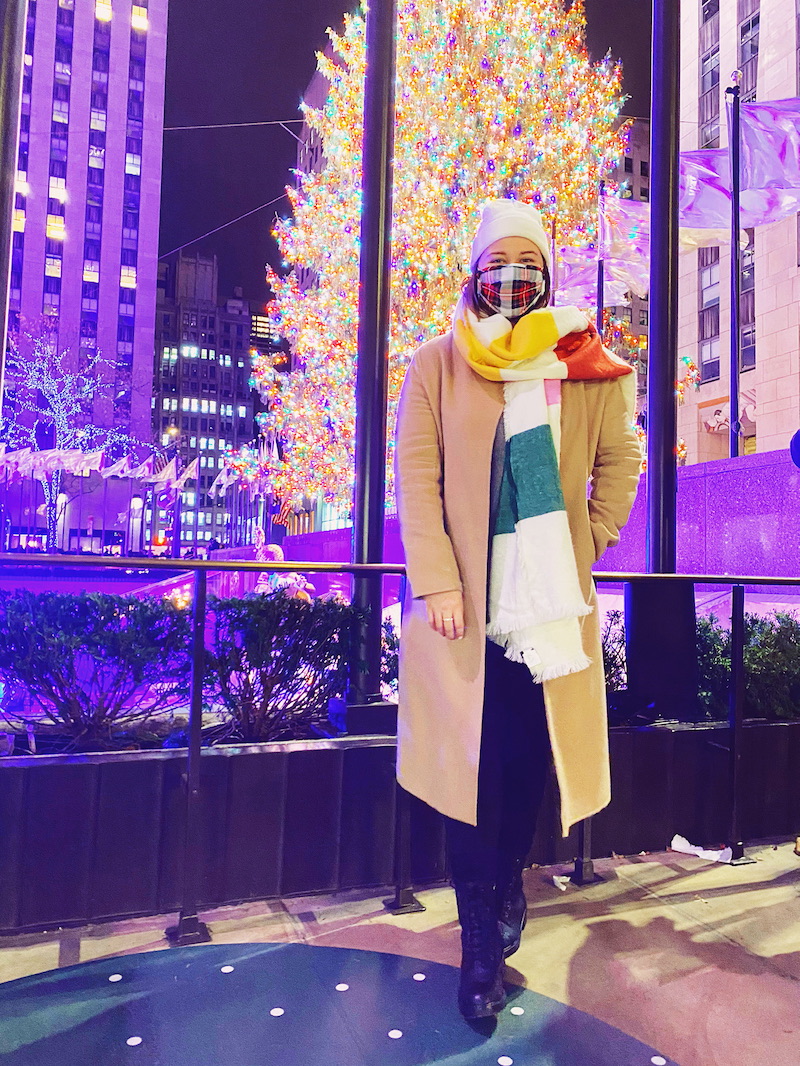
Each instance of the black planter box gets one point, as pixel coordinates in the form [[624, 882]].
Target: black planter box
[[91, 837]]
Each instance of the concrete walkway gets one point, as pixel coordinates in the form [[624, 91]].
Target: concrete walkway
[[697, 959]]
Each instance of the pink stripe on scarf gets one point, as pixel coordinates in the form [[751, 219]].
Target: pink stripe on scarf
[[552, 391]]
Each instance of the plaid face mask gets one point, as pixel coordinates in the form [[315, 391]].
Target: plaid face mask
[[510, 290]]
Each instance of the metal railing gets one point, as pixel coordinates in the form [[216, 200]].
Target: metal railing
[[189, 928]]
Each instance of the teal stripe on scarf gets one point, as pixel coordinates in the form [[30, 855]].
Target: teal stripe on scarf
[[531, 482]]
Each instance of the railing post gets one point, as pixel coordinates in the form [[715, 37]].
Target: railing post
[[736, 722], [190, 930], [584, 872], [404, 900]]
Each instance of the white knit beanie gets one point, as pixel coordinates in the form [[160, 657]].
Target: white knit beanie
[[509, 218]]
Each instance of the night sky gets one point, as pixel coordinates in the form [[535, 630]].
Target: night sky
[[251, 60]]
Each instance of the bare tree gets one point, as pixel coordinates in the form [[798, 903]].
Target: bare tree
[[48, 403]]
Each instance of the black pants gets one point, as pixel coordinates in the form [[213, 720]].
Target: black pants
[[514, 762]]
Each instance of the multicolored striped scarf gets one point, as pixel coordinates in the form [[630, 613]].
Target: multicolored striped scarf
[[535, 599]]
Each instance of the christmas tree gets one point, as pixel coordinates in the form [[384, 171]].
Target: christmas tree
[[493, 99]]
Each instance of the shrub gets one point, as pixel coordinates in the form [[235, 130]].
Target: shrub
[[713, 666], [275, 662], [772, 666], [390, 660], [89, 661]]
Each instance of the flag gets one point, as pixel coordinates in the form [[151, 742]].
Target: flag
[[189, 474], [144, 470], [80, 462], [770, 145], [122, 468], [285, 514], [222, 482], [166, 476], [705, 194], [625, 224], [577, 279]]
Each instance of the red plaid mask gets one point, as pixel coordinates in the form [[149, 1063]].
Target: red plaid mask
[[510, 290]]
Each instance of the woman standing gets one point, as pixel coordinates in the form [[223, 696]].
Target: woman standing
[[502, 424]]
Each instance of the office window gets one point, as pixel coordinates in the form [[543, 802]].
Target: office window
[[708, 312], [709, 9], [747, 306], [748, 56]]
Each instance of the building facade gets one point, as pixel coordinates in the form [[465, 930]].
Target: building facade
[[633, 177], [203, 403], [760, 39], [85, 243]]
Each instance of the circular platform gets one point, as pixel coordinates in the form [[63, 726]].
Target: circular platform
[[287, 1005]]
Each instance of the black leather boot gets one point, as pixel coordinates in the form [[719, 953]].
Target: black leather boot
[[480, 992], [512, 907]]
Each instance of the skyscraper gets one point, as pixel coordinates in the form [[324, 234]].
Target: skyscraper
[[85, 243], [203, 403]]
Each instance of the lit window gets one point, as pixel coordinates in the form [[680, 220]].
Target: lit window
[[195, 405], [97, 157], [165, 438], [102, 10], [52, 266], [98, 120], [139, 17], [203, 443], [133, 163], [193, 442], [127, 277], [242, 411], [204, 407], [18, 224], [60, 111], [165, 403], [185, 403], [221, 444], [22, 187], [55, 227]]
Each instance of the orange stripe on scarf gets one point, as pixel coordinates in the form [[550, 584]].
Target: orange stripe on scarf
[[586, 358]]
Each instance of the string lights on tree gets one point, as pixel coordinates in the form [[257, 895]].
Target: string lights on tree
[[493, 100], [47, 404]]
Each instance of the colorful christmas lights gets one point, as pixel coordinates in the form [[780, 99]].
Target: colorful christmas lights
[[493, 99]]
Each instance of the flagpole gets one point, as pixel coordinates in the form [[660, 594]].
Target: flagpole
[[734, 138], [601, 274]]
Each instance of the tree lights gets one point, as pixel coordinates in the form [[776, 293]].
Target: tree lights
[[494, 99]]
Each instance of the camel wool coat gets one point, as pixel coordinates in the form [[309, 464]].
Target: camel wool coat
[[446, 426]]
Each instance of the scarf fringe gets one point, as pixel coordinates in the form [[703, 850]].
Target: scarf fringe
[[543, 673]]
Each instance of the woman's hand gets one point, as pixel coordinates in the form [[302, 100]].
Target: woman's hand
[[446, 613]]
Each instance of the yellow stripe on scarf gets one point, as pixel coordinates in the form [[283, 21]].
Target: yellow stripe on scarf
[[533, 335]]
